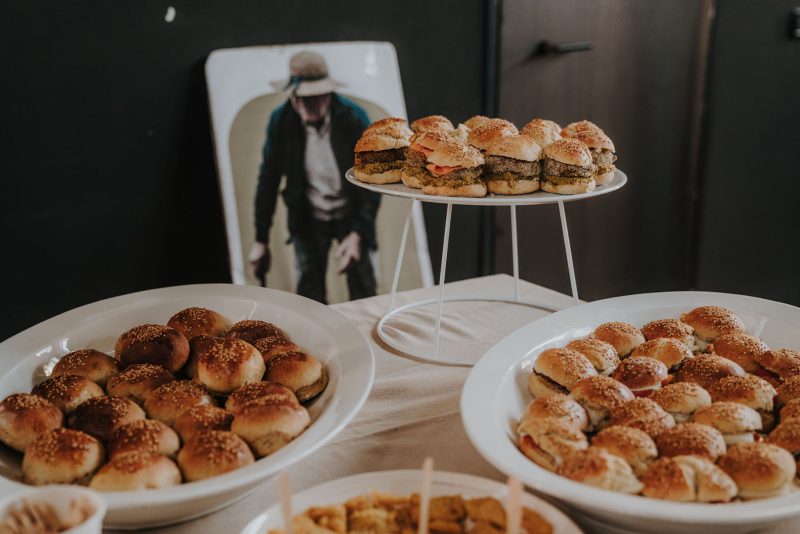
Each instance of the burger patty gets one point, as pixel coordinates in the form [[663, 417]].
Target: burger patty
[[456, 178], [510, 177], [601, 156], [556, 168], [498, 165], [564, 180], [416, 158], [380, 156], [380, 166]]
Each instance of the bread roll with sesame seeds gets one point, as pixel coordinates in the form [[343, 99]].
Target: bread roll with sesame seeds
[[707, 369], [622, 336], [137, 381], [599, 468], [671, 328], [739, 348], [89, 363], [23, 417], [669, 351], [145, 435], [681, 399], [168, 401], [630, 444], [61, 456], [272, 346], [710, 322], [67, 391], [599, 395], [227, 364], [193, 322], [259, 391], [268, 426], [298, 371], [251, 331], [136, 471], [211, 453], [202, 418], [152, 343], [760, 470], [101, 416], [691, 439], [602, 355], [641, 374], [643, 414], [736, 422]]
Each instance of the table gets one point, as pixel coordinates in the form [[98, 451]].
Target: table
[[413, 409]]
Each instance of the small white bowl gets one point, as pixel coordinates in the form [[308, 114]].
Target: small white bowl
[[60, 497]]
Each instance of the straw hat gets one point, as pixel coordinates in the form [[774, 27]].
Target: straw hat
[[308, 76]]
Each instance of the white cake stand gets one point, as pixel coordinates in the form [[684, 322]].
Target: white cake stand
[[416, 196]]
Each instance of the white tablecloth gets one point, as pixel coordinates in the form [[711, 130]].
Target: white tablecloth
[[413, 409]]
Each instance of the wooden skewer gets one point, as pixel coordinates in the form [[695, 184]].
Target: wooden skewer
[[514, 508], [425, 495], [285, 495]]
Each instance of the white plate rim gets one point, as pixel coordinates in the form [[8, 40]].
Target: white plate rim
[[356, 397], [367, 481], [490, 440]]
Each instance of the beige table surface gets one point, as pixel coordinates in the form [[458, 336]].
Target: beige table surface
[[413, 409]]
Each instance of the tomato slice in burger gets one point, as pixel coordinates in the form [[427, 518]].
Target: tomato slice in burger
[[440, 170]]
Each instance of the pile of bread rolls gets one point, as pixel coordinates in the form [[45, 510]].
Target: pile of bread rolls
[[691, 410], [184, 401], [485, 155]]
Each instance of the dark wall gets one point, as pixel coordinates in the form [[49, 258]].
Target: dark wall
[[109, 184]]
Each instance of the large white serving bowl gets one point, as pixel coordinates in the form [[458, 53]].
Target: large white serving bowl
[[404, 482], [495, 395], [28, 357]]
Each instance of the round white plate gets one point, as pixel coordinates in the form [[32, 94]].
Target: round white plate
[[28, 357], [495, 395], [538, 197], [404, 482]]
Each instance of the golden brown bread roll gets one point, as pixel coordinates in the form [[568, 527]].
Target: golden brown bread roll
[[152, 343], [137, 381], [101, 416], [705, 370], [298, 371], [136, 471], [259, 391], [193, 322], [168, 401], [202, 418], [272, 346], [145, 435], [92, 364], [268, 426], [62, 456], [671, 328], [643, 414], [23, 417], [229, 363], [691, 439], [251, 331], [197, 346], [211, 453], [67, 391], [622, 336]]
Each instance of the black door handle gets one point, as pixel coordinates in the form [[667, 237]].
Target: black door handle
[[546, 48]]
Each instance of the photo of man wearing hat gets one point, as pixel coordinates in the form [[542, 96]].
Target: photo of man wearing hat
[[310, 140]]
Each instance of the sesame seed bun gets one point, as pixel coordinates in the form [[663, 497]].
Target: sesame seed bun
[[602, 178], [478, 190], [710, 322], [268, 426], [644, 414], [152, 343], [573, 128], [229, 363], [101, 416], [392, 176], [735, 421], [759, 469], [197, 346], [669, 351], [137, 381], [557, 370], [602, 355], [671, 328], [136, 471], [410, 180], [749, 390], [740, 348], [515, 146], [599, 468], [201, 418], [298, 371], [390, 124], [790, 410], [783, 362], [272, 346], [787, 435], [67, 391], [707, 369], [570, 152], [630, 444], [385, 139], [681, 399], [548, 441], [23, 417], [251, 330], [168, 401], [89, 363], [622, 336], [595, 139], [432, 123], [518, 187], [549, 125], [476, 121], [688, 479], [195, 321], [61, 456], [788, 391], [541, 135], [599, 395], [641, 374], [691, 439], [557, 406], [211, 453], [455, 154], [145, 435], [484, 135], [260, 391]]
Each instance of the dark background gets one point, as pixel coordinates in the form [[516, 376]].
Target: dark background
[[109, 184]]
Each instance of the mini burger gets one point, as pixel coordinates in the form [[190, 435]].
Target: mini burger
[[707, 369], [788, 391], [568, 168], [390, 123], [557, 370], [671, 328], [432, 123], [602, 355], [599, 395], [630, 444], [642, 375], [380, 155], [558, 407], [759, 469], [710, 322], [541, 134], [681, 400], [454, 170], [671, 352], [623, 337], [740, 348], [548, 441], [574, 128], [643, 414], [787, 435], [688, 479], [602, 150], [489, 131], [691, 439], [552, 129], [599, 468], [778, 365], [512, 165], [421, 146], [475, 121], [736, 422], [749, 390]]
